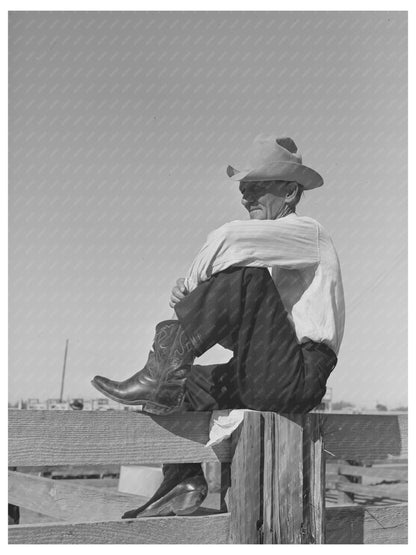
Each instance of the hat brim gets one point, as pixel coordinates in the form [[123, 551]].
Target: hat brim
[[284, 171]]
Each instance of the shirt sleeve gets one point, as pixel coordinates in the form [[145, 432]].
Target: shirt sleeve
[[289, 242]]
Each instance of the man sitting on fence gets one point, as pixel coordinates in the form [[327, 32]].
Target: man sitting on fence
[[269, 289]]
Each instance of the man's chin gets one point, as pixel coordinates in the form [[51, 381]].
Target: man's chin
[[257, 215]]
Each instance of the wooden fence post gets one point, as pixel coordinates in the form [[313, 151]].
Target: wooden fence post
[[314, 480], [245, 491], [282, 479]]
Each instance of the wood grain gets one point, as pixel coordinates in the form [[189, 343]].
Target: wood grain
[[344, 525], [377, 473], [289, 478], [211, 529], [42, 438], [244, 497], [69, 501], [399, 492], [366, 525], [38, 438], [314, 479], [271, 514], [282, 479]]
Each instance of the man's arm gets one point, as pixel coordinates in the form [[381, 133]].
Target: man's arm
[[288, 242]]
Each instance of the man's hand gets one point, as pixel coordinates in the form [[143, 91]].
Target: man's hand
[[178, 292]]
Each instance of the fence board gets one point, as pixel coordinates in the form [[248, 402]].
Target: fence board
[[313, 480], [38, 438], [394, 491], [366, 525], [244, 497], [153, 530], [378, 474], [70, 471], [69, 501], [365, 437], [42, 438], [288, 482], [344, 525]]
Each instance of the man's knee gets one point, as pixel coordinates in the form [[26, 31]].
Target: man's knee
[[245, 274]]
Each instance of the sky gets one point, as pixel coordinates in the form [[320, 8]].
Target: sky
[[121, 126]]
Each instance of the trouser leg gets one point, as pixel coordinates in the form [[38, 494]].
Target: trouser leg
[[243, 306], [212, 387]]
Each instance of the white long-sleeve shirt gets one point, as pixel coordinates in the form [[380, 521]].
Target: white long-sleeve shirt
[[303, 263]]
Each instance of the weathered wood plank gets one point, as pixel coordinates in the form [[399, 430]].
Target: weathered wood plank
[[398, 492], [71, 470], [110, 483], [378, 473], [31, 517], [271, 516], [41, 438], [213, 529], [314, 480], [69, 501], [366, 525], [282, 479], [365, 437], [38, 438], [289, 479], [244, 497]]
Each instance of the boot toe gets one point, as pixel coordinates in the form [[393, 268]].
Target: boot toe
[[102, 383], [130, 514], [121, 392], [105, 386]]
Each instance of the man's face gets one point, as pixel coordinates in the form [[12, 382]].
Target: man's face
[[264, 200]]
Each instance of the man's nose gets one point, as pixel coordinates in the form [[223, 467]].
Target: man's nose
[[248, 197], [245, 201]]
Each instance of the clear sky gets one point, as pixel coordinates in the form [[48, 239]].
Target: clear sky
[[121, 127]]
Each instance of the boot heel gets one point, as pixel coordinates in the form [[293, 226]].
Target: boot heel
[[155, 408], [187, 503]]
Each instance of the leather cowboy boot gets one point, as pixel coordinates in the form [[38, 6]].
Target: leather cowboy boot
[[160, 385], [182, 491]]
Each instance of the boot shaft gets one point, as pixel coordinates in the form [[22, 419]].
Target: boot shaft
[[174, 353]]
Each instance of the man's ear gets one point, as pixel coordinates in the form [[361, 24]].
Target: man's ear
[[291, 192]]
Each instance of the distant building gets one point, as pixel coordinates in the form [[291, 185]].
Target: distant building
[[100, 404], [37, 406], [52, 402], [32, 403], [55, 404]]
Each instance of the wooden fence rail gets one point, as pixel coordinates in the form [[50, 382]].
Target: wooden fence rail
[[376, 482], [273, 476]]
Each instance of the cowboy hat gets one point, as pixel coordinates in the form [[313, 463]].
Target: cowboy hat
[[276, 160]]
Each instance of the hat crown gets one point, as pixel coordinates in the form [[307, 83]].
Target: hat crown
[[269, 150], [276, 159]]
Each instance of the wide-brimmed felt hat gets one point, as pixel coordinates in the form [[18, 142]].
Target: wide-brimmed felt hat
[[276, 159]]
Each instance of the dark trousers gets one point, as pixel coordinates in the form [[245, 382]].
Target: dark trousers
[[242, 309]]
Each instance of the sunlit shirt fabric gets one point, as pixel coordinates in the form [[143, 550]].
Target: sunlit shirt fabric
[[302, 260]]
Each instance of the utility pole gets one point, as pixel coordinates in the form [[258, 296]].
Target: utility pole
[[63, 371]]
